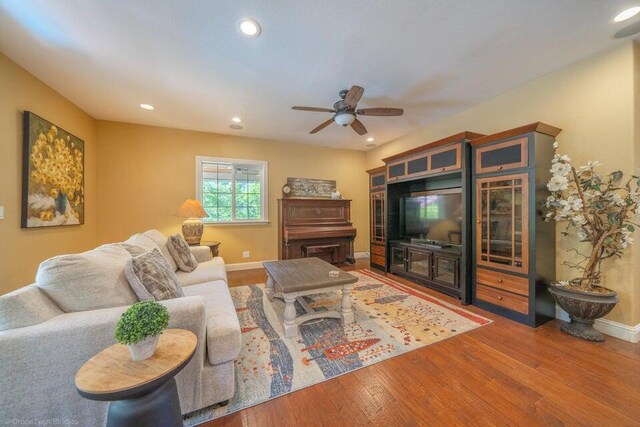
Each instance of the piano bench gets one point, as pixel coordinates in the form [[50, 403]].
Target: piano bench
[[333, 250]]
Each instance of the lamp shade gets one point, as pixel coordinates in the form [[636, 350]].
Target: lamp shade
[[191, 209]]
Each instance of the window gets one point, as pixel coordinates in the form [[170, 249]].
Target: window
[[232, 190]]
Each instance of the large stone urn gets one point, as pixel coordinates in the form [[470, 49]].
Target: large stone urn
[[584, 308]]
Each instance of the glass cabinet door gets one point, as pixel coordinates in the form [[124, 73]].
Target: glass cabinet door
[[445, 270], [419, 263], [398, 258], [377, 217], [502, 222]]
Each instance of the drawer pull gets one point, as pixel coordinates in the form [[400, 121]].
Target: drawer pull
[[499, 280], [443, 169], [499, 297], [499, 168]]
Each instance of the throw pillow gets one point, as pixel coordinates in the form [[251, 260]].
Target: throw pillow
[[151, 277], [181, 253]]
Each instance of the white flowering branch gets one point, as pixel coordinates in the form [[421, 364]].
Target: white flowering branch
[[602, 212]]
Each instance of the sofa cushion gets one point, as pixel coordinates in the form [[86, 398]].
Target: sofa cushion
[[87, 281], [151, 277], [181, 254], [202, 253], [207, 271], [224, 338], [25, 307], [161, 240], [139, 244]]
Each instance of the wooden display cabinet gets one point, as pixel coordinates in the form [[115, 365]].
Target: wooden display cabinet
[[377, 218], [514, 251]]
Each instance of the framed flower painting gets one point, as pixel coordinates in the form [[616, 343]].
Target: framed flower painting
[[52, 175]]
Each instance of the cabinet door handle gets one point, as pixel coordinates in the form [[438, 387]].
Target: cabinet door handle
[[479, 221], [499, 297], [499, 280]]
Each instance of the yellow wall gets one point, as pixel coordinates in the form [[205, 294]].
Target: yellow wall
[[21, 250], [137, 176], [145, 173], [635, 295], [593, 102]]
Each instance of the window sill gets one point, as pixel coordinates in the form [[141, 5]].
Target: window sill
[[234, 223]]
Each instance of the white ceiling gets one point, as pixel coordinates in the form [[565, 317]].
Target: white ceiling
[[431, 57]]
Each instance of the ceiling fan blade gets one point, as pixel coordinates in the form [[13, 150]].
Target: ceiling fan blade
[[322, 126], [353, 96], [358, 127], [381, 112], [317, 109]]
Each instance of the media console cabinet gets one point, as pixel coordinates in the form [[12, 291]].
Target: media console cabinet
[[438, 268], [504, 257], [440, 165]]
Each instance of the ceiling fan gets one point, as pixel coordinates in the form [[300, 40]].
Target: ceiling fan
[[346, 113]]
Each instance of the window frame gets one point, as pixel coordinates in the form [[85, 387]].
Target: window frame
[[264, 186]]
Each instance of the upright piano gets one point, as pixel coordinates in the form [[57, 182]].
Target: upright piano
[[316, 227]]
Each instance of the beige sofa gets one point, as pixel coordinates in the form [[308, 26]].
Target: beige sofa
[[43, 345]]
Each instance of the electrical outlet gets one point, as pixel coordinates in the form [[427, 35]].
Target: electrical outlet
[[246, 254], [1, 212]]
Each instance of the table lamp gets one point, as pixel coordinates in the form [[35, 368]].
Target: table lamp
[[192, 228]]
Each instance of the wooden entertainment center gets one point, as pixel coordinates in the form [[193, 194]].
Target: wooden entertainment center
[[494, 249]]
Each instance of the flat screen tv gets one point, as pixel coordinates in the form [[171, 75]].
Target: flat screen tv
[[433, 216]]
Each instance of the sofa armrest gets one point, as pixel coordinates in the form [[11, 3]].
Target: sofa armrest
[[47, 356], [202, 253]]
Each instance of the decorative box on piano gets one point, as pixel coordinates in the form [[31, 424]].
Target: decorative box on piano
[[316, 227]]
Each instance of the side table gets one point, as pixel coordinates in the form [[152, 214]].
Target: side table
[[213, 245], [141, 393]]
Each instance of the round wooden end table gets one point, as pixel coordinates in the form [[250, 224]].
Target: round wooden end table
[[141, 393], [213, 245]]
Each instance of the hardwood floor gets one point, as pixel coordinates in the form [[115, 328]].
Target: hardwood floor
[[501, 374]]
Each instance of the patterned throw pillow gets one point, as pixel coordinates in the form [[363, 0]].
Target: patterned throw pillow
[[151, 277], [179, 250]]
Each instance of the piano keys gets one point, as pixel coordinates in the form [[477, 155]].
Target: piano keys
[[316, 227]]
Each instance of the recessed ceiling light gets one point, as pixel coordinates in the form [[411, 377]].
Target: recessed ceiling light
[[236, 119], [370, 139], [235, 127], [146, 106], [626, 14], [249, 27]]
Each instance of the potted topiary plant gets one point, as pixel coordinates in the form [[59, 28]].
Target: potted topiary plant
[[602, 211], [139, 328]]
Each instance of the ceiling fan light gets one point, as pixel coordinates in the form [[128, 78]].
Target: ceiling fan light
[[344, 119]]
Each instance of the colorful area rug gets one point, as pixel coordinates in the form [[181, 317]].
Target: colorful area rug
[[391, 319]]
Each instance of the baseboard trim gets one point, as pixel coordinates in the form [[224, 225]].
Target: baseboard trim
[[258, 264], [609, 327]]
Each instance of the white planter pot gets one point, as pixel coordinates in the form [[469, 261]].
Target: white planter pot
[[144, 349]]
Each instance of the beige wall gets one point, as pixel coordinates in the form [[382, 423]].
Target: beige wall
[[21, 250], [145, 173], [593, 102]]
